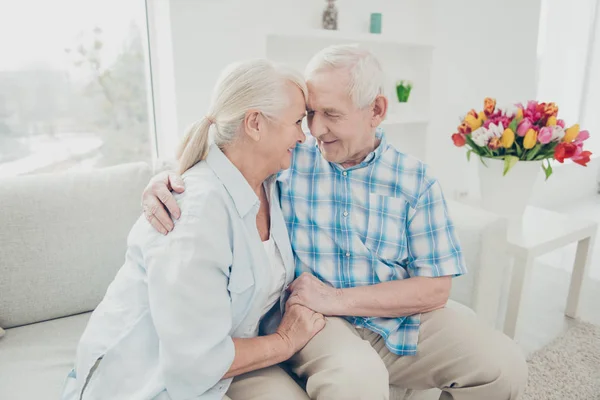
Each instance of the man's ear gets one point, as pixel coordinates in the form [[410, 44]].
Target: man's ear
[[379, 109], [253, 124]]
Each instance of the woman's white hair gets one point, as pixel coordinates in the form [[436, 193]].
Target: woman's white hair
[[367, 80], [244, 86]]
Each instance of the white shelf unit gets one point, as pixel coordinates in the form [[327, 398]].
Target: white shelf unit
[[322, 34], [410, 59]]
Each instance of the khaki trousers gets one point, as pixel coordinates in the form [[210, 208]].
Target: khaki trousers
[[272, 383], [456, 353]]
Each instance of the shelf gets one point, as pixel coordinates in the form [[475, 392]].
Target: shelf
[[394, 119], [322, 34]]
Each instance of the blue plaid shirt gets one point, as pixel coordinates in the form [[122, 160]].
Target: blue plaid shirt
[[384, 219]]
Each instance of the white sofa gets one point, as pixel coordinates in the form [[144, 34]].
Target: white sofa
[[62, 239]]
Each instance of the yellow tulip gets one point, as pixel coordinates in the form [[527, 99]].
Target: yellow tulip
[[482, 116], [508, 138], [530, 139], [551, 121], [474, 123], [571, 133], [519, 113]]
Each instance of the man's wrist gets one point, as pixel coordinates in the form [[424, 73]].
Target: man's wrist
[[341, 302]]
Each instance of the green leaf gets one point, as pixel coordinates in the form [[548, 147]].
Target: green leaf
[[513, 126], [480, 151], [469, 155], [519, 149], [547, 169], [533, 152], [483, 162], [509, 162]]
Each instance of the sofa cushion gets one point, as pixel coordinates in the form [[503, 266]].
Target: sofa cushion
[[35, 359], [63, 238], [44, 353]]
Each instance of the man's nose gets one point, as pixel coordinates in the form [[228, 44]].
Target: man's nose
[[317, 126]]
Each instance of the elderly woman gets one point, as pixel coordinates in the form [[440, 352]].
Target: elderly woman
[[181, 318]]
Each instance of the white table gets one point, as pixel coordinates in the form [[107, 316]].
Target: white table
[[541, 232]]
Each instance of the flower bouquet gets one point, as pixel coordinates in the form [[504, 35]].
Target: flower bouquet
[[521, 133]]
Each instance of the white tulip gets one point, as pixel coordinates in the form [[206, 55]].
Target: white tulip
[[480, 137]]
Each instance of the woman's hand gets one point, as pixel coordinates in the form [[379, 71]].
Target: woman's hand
[[299, 325], [158, 201]]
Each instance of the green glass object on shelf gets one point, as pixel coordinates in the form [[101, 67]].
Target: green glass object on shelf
[[403, 89], [375, 23]]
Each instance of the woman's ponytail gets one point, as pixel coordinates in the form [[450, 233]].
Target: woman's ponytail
[[194, 147]]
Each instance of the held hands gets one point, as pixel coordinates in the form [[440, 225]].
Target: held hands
[[298, 325], [158, 201], [309, 291]]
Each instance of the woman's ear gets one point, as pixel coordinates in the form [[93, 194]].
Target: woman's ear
[[253, 124], [379, 107]]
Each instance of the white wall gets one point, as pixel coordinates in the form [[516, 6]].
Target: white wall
[[478, 54], [207, 35]]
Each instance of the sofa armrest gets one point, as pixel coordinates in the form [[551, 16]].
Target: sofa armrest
[[483, 239]]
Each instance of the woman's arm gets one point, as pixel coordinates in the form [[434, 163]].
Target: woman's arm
[[188, 275], [187, 286], [258, 352], [298, 326]]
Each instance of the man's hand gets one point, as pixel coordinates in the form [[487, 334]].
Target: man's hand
[[309, 291], [158, 202]]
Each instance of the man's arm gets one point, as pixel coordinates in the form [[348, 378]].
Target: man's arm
[[159, 203], [434, 257], [388, 299], [396, 298]]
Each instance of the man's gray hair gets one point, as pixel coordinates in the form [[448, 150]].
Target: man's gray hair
[[367, 80]]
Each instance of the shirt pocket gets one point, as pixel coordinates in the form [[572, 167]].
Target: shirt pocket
[[241, 290], [386, 227]]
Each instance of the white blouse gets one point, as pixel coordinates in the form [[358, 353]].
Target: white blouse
[[278, 274]]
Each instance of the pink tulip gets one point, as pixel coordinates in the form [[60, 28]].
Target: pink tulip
[[532, 105], [578, 150], [560, 123], [545, 135], [523, 127], [583, 135]]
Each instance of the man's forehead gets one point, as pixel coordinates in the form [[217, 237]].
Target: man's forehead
[[327, 93]]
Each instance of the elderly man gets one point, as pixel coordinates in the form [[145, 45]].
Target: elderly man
[[375, 251]]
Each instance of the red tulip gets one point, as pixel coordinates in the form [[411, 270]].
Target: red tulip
[[565, 150], [458, 139], [583, 158]]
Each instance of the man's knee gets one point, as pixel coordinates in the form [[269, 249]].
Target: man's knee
[[338, 364], [514, 371], [357, 373], [503, 369]]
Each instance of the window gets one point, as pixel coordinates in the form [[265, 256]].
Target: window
[[74, 85], [569, 62]]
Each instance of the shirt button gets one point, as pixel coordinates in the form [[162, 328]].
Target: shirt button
[[344, 173], [345, 213], [347, 254]]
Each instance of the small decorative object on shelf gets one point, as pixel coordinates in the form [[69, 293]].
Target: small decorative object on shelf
[[403, 89], [330, 16], [375, 26], [518, 138]]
